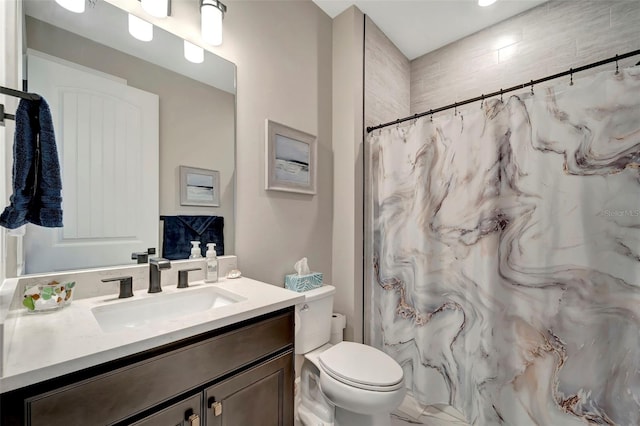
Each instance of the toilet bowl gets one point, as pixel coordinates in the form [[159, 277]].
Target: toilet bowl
[[347, 384]]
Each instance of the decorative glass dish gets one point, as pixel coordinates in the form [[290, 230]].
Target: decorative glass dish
[[47, 297]]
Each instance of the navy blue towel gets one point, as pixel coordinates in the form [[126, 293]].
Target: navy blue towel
[[37, 184], [179, 231]]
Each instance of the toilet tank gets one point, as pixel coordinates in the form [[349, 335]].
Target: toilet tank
[[313, 319]]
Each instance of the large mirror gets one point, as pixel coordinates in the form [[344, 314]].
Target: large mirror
[[191, 108]]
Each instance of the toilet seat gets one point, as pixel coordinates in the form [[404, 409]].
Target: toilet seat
[[362, 367]]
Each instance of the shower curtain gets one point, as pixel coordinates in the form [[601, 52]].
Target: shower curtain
[[504, 260]]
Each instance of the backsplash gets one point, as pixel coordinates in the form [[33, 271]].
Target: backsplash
[[89, 284]]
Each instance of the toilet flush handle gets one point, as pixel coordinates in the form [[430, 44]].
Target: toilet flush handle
[[305, 307]]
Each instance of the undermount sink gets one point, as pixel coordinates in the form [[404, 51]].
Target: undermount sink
[[160, 307]]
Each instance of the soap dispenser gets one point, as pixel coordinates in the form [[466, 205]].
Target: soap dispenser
[[211, 275], [195, 250]]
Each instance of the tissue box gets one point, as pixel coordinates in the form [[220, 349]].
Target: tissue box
[[297, 282]]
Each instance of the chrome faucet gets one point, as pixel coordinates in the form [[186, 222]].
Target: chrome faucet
[[156, 265]]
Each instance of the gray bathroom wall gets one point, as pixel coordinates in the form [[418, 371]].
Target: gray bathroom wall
[[548, 39], [283, 53], [347, 70]]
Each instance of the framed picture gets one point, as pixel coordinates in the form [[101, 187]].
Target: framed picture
[[199, 187], [290, 159]]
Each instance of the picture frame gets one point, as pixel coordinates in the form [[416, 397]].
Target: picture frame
[[291, 164], [199, 187]]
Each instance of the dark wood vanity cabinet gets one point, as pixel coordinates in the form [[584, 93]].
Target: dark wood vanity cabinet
[[260, 396], [236, 376], [186, 411]]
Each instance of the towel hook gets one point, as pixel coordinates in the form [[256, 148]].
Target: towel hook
[[571, 72]]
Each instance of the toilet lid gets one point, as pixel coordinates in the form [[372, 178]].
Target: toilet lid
[[361, 366]]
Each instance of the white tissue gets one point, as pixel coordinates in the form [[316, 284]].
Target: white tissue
[[301, 267]]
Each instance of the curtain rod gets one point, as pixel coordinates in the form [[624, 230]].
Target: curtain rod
[[531, 83]]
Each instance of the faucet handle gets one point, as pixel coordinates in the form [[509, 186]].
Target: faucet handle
[[143, 256], [183, 277], [126, 286]]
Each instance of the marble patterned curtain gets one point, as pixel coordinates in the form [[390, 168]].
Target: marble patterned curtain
[[505, 255]]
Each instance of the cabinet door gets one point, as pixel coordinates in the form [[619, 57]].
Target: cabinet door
[[261, 396], [184, 413]]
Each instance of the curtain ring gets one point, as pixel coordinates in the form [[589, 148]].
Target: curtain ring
[[482, 101], [532, 88], [501, 95], [431, 114], [617, 69], [455, 109], [571, 71]]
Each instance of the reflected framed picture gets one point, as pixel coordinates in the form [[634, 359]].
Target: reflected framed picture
[[199, 187], [290, 159]]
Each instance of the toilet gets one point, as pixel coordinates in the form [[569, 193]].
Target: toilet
[[346, 384]]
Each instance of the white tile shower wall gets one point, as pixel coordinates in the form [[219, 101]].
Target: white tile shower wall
[[387, 85], [548, 39], [386, 78]]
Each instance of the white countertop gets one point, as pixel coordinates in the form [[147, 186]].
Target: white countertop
[[48, 345]]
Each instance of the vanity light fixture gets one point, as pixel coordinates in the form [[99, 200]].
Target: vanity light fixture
[[76, 6], [485, 3], [157, 8], [140, 29], [193, 53], [211, 13]]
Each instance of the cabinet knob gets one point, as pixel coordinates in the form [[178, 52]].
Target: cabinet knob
[[216, 405], [191, 418]]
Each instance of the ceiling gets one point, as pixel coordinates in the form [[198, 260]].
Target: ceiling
[[417, 27]]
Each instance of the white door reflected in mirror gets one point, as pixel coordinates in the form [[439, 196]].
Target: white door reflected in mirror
[[107, 136]]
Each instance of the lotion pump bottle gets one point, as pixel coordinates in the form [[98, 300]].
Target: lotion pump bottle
[[211, 275], [195, 250]]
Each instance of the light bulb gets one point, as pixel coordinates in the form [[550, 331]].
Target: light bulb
[[76, 6], [140, 29], [193, 53], [485, 3], [156, 8], [211, 24]]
